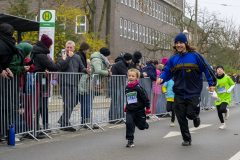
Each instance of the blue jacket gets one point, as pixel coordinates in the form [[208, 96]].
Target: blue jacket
[[186, 70], [150, 69], [169, 85]]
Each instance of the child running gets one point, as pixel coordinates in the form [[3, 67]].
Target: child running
[[223, 89], [168, 91], [137, 100]]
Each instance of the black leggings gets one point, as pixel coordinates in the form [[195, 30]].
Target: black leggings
[[222, 109], [170, 108]]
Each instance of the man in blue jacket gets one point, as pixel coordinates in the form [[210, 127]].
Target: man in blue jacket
[[186, 67]]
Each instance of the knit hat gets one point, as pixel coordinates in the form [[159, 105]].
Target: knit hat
[[26, 48], [219, 67], [127, 56], [47, 41], [137, 55], [84, 46], [105, 51], [164, 60], [181, 38]]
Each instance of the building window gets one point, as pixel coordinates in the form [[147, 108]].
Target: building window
[[137, 4], [121, 27], [143, 33], [159, 39], [125, 28], [153, 32], [165, 14], [162, 8], [121, 1], [159, 12], [150, 8], [147, 7], [136, 38], [156, 37], [133, 31], [140, 33], [133, 3], [156, 9], [80, 24], [153, 9], [150, 36], [146, 35], [164, 41], [126, 2], [129, 29], [141, 5], [144, 6], [130, 3]]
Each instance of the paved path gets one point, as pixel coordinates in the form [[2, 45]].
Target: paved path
[[209, 143]]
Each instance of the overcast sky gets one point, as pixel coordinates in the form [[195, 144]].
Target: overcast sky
[[232, 10]]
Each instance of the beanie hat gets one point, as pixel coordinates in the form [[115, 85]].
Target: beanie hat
[[219, 67], [105, 51], [137, 55], [181, 38], [47, 41], [164, 60], [127, 56], [84, 46]]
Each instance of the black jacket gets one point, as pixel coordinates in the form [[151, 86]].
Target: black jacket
[[134, 65], [120, 67], [142, 99], [41, 61], [7, 50], [83, 57]]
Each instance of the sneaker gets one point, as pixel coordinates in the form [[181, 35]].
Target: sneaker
[[130, 143], [196, 122], [223, 126], [186, 143], [227, 115], [172, 124], [147, 125]]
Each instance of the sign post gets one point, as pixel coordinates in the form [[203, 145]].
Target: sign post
[[47, 26]]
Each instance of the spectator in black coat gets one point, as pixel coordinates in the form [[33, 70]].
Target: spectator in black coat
[[137, 56], [121, 65], [117, 85], [84, 49]]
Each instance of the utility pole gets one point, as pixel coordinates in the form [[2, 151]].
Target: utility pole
[[39, 8], [195, 25]]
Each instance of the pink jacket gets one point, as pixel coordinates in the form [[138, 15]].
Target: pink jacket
[[157, 88]]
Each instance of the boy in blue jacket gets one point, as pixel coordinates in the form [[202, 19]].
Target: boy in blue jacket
[[186, 67]]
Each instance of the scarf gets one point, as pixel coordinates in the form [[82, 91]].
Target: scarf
[[132, 84], [220, 77]]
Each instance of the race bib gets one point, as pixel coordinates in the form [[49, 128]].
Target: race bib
[[221, 89], [132, 97]]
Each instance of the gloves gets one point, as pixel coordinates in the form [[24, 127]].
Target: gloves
[[148, 111], [214, 96], [125, 109]]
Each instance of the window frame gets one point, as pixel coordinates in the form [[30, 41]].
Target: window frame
[[133, 30], [136, 32], [125, 28], [121, 27], [140, 33], [143, 33], [129, 29], [81, 24]]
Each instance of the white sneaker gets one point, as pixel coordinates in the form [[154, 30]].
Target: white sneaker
[[227, 114], [223, 126]]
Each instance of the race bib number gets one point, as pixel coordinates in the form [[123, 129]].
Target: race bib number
[[221, 89], [132, 97]]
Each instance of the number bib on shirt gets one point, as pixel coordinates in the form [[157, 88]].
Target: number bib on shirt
[[221, 89], [132, 97]]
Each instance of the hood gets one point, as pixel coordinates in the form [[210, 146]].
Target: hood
[[135, 60], [120, 58], [26, 48], [40, 48], [98, 55], [150, 65]]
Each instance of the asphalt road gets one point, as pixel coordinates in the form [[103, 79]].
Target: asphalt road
[[209, 143]]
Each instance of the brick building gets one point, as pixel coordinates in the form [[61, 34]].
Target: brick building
[[148, 27]]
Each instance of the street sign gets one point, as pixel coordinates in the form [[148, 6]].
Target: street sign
[[47, 26]]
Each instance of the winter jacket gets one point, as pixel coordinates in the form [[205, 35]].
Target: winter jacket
[[7, 50], [41, 61], [150, 69], [168, 87], [157, 88], [18, 62], [83, 57], [99, 64], [120, 67], [75, 65], [137, 98], [186, 70]]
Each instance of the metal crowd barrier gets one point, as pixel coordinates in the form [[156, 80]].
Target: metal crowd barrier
[[58, 100]]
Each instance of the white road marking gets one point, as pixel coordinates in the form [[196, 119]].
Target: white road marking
[[175, 133], [236, 156]]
